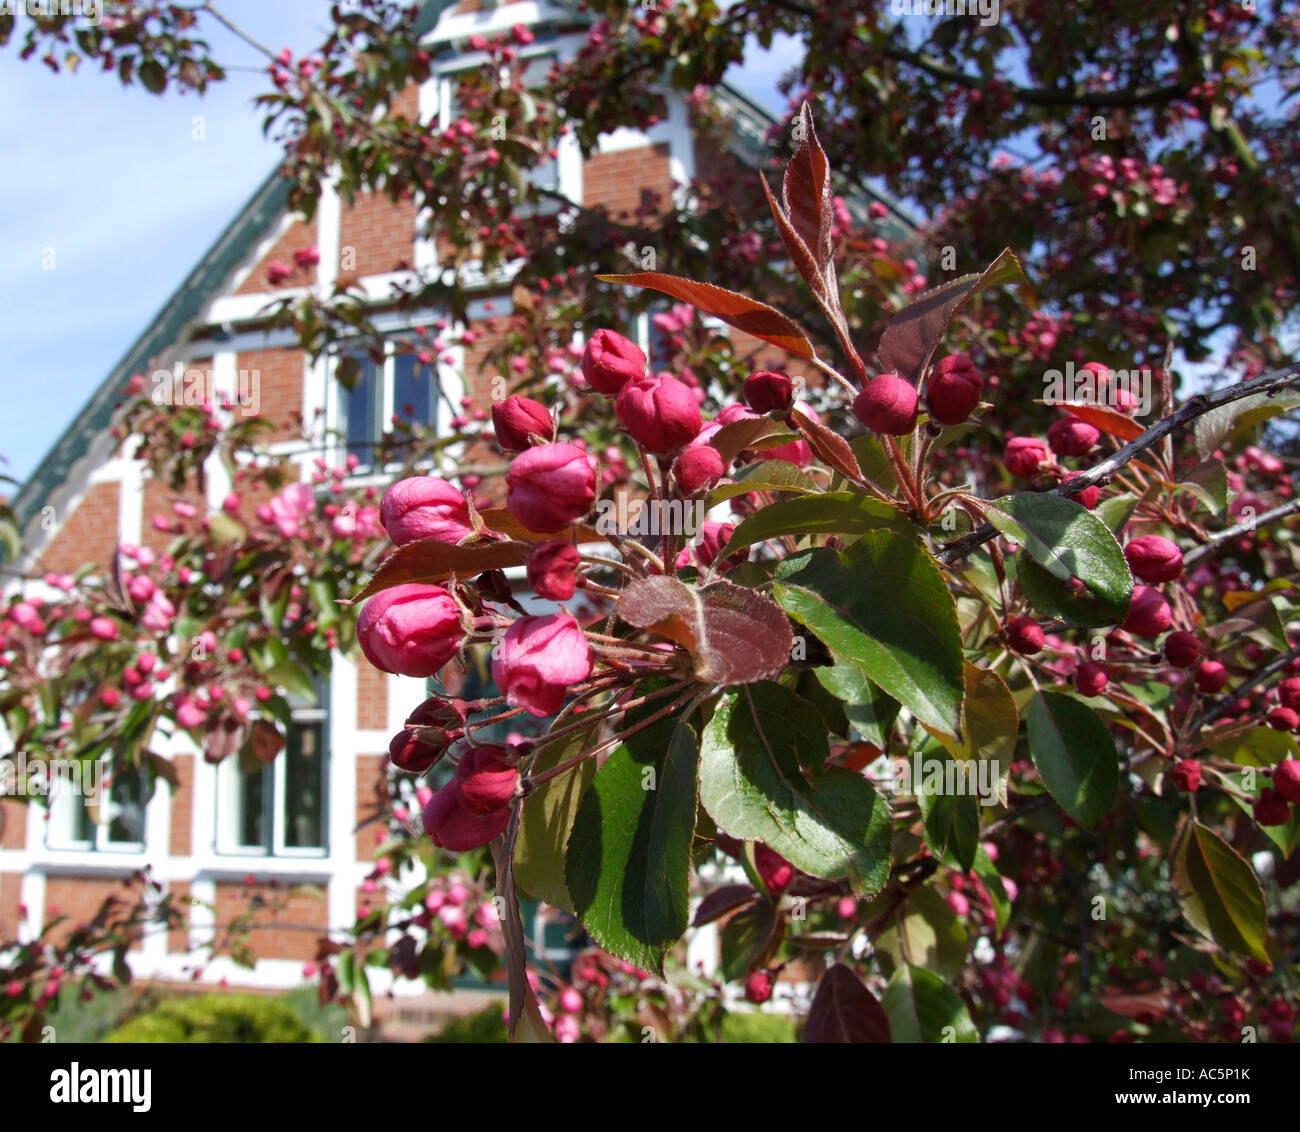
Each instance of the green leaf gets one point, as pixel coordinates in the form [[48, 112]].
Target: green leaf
[[1208, 481], [548, 816], [1260, 747], [990, 728], [627, 865], [1075, 755], [755, 784], [951, 819], [152, 75], [883, 606], [1068, 541], [1220, 427], [1116, 510], [766, 475], [832, 513], [866, 706], [1219, 893], [293, 677], [923, 1008], [745, 937], [1053, 598], [927, 932]]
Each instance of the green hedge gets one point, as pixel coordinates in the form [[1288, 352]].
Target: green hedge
[[217, 1019]]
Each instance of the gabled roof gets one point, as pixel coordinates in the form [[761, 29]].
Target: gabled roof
[[165, 329], [253, 221]]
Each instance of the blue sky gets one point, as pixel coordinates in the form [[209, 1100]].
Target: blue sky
[[113, 181]]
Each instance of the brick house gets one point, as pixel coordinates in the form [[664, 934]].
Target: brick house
[[299, 823]]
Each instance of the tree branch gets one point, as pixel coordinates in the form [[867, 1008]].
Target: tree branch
[[1198, 406], [1212, 544], [1225, 704]]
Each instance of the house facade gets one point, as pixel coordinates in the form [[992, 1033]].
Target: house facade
[[219, 836]]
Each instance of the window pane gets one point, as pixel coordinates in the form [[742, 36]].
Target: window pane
[[125, 812], [361, 412], [414, 389], [250, 802], [304, 787]]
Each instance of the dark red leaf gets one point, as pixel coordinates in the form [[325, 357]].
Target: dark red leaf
[[807, 191], [736, 635], [800, 254], [1111, 421], [721, 901], [843, 1010], [429, 562], [914, 332], [734, 309]]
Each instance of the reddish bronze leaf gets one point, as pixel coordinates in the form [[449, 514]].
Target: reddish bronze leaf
[[734, 634], [843, 1010], [734, 309], [751, 432], [831, 448], [914, 332], [800, 254], [429, 562], [807, 191], [1111, 421]]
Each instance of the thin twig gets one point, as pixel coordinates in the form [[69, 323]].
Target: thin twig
[[1214, 542], [1198, 406]]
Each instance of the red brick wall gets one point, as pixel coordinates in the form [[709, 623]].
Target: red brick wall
[[281, 372], [79, 899], [10, 891], [301, 918], [372, 696], [616, 180], [178, 939], [372, 792], [13, 825], [297, 235], [182, 806], [376, 236], [88, 535]]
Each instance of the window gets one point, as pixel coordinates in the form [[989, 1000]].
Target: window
[[108, 818], [401, 386], [279, 809]]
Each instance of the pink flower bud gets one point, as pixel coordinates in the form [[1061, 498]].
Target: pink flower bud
[[888, 405], [488, 778], [698, 468], [953, 389], [1186, 775], [776, 871], [1182, 649], [411, 630], [1271, 808], [1070, 436], [518, 419], [158, 614], [307, 257], [768, 392], [1149, 614], [659, 413], [1283, 719], [610, 361], [1211, 676], [1025, 636], [1154, 559], [409, 753], [1088, 497], [550, 486], [1091, 678], [140, 588], [425, 507], [552, 570], [1286, 780], [758, 987], [1024, 455], [539, 659], [104, 628]]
